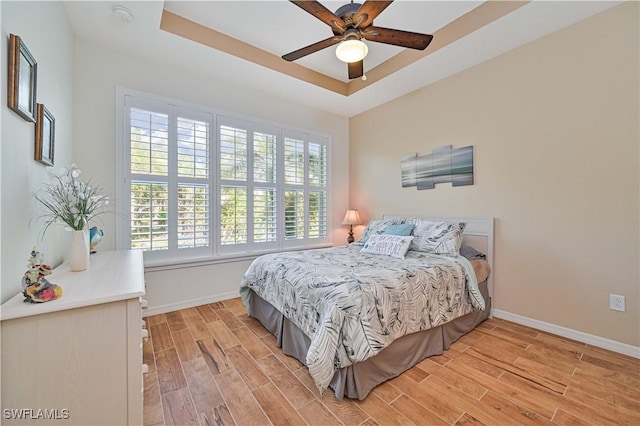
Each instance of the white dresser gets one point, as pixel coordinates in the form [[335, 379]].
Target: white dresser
[[77, 360]]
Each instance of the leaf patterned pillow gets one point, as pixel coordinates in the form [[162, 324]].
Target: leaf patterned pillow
[[389, 245], [376, 227], [438, 237]]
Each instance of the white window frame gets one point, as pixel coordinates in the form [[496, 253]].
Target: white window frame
[[215, 252]]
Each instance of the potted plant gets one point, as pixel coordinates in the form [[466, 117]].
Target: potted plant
[[70, 202]]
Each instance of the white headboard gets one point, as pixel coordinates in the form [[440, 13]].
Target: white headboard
[[478, 234]]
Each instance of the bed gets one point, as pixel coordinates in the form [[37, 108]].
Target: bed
[[357, 318]]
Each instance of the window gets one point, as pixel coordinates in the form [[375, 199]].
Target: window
[[198, 185], [248, 186], [305, 210]]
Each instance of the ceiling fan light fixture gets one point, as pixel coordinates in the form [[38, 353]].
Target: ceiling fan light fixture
[[352, 51]]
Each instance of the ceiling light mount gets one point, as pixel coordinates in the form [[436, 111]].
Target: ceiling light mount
[[347, 12]]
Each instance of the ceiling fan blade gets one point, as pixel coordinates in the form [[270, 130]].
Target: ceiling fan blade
[[368, 12], [397, 37], [322, 13], [356, 69], [312, 48]]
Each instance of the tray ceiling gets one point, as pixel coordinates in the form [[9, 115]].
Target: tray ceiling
[[242, 41]]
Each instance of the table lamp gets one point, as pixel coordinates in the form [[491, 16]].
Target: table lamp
[[351, 218]]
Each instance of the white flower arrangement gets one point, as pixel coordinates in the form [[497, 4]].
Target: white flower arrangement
[[69, 201]]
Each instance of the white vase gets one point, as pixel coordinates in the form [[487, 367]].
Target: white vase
[[79, 254]]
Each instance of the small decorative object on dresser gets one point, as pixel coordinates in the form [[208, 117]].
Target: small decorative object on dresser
[[73, 203], [95, 235], [35, 287], [23, 70]]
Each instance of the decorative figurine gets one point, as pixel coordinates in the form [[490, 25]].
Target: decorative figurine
[[95, 235], [36, 288]]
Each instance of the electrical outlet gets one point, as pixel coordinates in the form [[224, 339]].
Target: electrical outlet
[[616, 302]]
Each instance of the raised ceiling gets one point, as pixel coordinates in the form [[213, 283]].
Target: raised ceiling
[[242, 41]]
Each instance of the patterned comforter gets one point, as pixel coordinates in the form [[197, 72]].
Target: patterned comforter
[[352, 305]]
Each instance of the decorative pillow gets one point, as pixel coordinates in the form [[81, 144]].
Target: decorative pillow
[[438, 237], [402, 229], [389, 245], [376, 227]]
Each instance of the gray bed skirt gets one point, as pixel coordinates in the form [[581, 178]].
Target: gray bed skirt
[[357, 380]]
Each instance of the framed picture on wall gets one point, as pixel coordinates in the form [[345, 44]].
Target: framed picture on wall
[[23, 70], [45, 135]]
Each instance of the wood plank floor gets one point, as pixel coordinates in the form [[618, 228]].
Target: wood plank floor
[[213, 365]]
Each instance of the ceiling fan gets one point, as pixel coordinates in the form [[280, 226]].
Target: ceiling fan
[[350, 24]]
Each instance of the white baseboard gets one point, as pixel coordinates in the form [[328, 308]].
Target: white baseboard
[[580, 336], [155, 310]]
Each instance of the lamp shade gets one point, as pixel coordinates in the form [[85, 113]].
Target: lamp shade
[[351, 51], [351, 217]]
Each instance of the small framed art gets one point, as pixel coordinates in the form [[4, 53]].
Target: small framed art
[[23, 70], [45, 135]]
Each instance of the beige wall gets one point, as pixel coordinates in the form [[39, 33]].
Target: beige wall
[[97, 73], [44, 28], [555, 130]]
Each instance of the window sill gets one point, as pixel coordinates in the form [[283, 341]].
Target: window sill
[[165, 265]]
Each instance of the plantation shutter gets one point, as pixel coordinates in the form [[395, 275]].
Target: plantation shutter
[[294, 180], [305, 188], [248, 191], [149, 158], [233, 178], [317, 182], [194, 186], [265, 214], [193, 183], [169, 191]]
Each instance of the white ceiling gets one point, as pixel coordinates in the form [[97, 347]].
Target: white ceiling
[[280, 27]]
